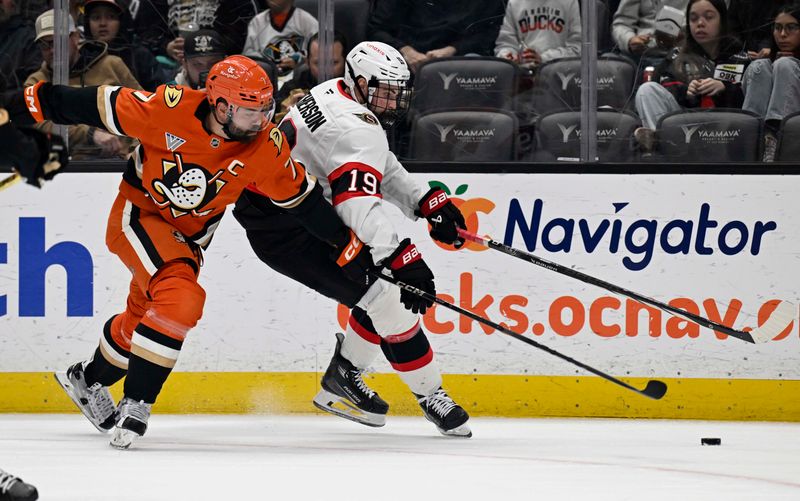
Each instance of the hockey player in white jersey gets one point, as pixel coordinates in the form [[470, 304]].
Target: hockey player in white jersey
[[335, 131]]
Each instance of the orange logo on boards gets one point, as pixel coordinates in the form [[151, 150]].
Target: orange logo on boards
[[470, 208], [566, 316]]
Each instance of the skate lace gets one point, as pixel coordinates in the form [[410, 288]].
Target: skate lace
[[440, 402], [6, 481], [100, 403], [137, 410], [361, 385]]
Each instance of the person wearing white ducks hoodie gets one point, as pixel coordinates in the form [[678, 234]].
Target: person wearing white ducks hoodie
[[538, 31]]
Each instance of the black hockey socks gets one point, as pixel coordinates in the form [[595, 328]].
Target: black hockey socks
[[153, 355], [109, 362]]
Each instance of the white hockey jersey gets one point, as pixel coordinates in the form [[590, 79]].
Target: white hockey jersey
[[343, 144], [265, 39], [550, 27]]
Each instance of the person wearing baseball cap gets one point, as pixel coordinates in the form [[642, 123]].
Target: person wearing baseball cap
[[202, 50], [90, 64]]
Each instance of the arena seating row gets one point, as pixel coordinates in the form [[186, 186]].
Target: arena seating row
[[484, 109]]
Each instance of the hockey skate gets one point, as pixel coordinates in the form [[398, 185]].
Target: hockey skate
[[344, 392], [95, 402], [14, 489], [449, 417], [131, 422]]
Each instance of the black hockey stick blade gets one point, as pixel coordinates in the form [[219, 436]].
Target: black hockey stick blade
[[655, 389], [777, 322]]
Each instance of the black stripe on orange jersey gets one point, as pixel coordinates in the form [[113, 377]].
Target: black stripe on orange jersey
[[158, 337], [144, 238], [122, 352], [305, 188], [113, 103], [131, 176], [203, 237], [354, 179]]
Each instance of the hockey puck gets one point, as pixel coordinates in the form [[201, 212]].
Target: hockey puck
[[710, 441]]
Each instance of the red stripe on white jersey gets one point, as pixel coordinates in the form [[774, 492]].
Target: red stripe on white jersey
[[415, 364]]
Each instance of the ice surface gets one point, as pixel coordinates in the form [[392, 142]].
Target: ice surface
[[320, 457]]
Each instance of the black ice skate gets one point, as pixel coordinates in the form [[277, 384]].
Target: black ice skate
[[344, 392], [449, 417], [14, 489], [94, 401], [131, 422]]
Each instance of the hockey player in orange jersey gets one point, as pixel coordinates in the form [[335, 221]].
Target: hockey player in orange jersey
[[198, 151]]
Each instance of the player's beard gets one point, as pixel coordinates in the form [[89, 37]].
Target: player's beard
[[237, 134]]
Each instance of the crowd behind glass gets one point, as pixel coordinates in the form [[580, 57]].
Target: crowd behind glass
[[493, 79]]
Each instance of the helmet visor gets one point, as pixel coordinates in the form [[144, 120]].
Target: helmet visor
[[389, 100], [246, 120]]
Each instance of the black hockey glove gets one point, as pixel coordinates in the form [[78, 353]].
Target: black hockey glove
[[354, 257], [408, 267], [35, 155], [443, 216]]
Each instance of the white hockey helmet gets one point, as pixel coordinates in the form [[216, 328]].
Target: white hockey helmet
[[388, 79]]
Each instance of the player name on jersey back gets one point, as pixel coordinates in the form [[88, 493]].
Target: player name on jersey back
[[310, 112]]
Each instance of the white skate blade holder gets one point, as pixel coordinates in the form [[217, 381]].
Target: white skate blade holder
[[338, 406], [462, 431], [122, 438]]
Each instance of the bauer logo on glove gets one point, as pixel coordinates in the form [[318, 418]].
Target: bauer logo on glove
[[443, 216]]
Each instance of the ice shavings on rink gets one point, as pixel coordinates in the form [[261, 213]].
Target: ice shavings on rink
[[323, 458]]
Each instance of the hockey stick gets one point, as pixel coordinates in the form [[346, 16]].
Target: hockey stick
[[777, 322], [654, 389], [10, 181]]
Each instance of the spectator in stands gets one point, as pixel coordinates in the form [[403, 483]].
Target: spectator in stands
[[429, 29], [110, 21], [279, 35], [90, 64], [751, 20], [692, 77], [772, 86], [204, 49], [634, 26], [162, 24], [537, 31], [307, 77], [18, 54]]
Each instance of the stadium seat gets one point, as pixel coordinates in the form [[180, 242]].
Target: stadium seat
[[464, 135], [349, 17], [709, 135], [789, 139], [464, 82], [559, 84], [558, 136]]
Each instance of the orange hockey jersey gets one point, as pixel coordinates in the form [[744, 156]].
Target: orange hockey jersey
[[187, 172]]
